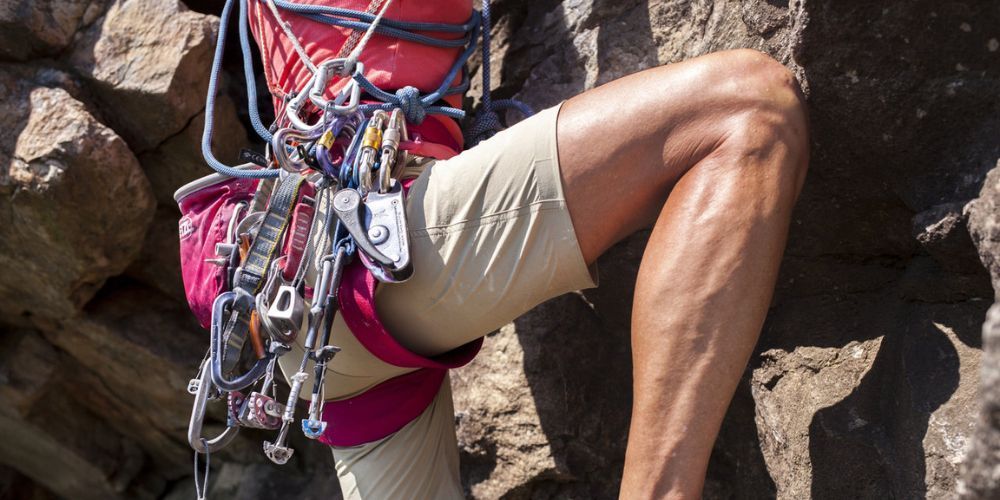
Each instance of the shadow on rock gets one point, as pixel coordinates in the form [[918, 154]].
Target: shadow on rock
[[878, 441]]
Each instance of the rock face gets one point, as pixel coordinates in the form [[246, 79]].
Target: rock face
[[96, 342], [981, 478], [65, 167], [866, 381], [868, 366]]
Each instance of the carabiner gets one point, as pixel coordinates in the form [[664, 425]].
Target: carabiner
[[197, 442], [395, 131], [215, 353], [351, 92], [295, 105], [279, 143]]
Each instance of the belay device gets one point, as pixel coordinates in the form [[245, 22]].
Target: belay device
[[264, 247]]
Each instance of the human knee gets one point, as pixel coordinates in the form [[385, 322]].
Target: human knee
[[766, 111]]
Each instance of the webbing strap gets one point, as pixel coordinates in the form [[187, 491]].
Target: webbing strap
[[250, 278], [265, 244]]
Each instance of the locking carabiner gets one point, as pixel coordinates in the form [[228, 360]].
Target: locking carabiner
[[371, 142], [395, 131]]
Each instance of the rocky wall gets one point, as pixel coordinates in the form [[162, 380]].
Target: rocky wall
[[866, 380]]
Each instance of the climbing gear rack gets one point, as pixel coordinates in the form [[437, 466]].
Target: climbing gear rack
[[264, 247]]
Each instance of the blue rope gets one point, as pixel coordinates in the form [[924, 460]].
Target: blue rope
[[389, 31], [249, 76], [487, 121], [213, 83]]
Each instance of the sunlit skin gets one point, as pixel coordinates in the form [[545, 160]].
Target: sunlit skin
[[711, 153]]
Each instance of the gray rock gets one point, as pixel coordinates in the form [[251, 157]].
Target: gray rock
[[875, 410], [63, 170], [138, 350], [942, 231], [981, 470], [159, 263], [178, 159], [880, 293], [535, 422]]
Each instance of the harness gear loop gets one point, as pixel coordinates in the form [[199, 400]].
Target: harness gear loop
[[355, 149]]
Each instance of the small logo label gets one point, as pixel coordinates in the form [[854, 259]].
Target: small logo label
[[185, 227], [248, 156]]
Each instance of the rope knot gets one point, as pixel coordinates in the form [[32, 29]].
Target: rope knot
[[409, 102]]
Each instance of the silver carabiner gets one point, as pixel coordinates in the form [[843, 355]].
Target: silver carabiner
[[371, 143], [195, 439], [351, 92], [294, 107]]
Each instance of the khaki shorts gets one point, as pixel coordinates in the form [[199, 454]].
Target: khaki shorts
[[491, 238]]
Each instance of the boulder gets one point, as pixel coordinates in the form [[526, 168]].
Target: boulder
[[63, 170], [872, 410], [159, 262], [148, 63], [981, 471], [138, 349], [535, 422]]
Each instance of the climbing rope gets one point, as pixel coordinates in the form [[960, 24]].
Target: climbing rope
[[285, 27]]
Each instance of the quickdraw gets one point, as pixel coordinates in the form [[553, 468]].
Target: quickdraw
[[331, 190]]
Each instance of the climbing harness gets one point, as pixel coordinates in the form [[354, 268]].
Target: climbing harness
[[265, 248]]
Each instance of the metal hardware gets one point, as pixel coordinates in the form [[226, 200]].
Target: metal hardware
[[350, 93], [370, 144], [286, 313], [314, 426], [215, 364], [385, 217], [395, 130], [260, 412], [347, 204], [195, 439]]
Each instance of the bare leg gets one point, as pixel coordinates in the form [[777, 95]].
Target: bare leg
[[714, 150]]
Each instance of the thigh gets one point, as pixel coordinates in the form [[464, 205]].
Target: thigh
[[491, 237]]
